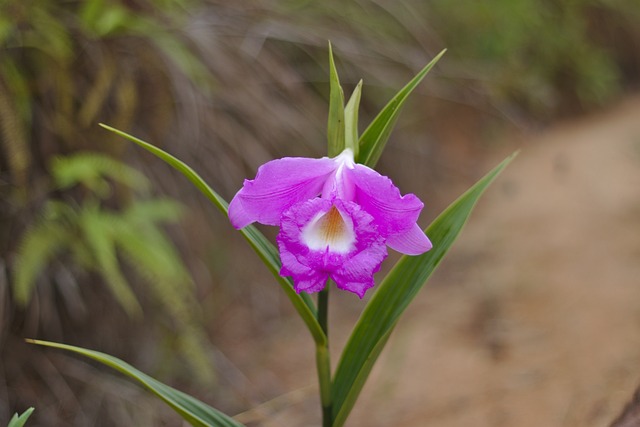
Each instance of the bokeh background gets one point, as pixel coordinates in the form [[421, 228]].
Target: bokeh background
[[534, 318]]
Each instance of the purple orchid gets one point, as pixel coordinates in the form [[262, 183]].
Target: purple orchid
[[344, 233]]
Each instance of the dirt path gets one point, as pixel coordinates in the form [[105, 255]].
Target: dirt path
[[544, 328]]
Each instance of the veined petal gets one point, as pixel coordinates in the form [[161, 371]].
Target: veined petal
[[412, 242], [278, 185], [356, 274], [349, 251], [304, 278], [393, 213]]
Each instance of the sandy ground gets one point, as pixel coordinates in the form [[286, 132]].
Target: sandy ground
[[534, 317]]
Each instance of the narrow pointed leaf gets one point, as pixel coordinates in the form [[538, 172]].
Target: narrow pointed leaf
[[351, 121], [263, 247], [192, 410], [393, 296], [20, 420], [375, 137], [335, 125]]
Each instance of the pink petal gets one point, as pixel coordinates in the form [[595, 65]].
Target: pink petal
[[393, 213], [304, 278], [352, 270], [412, 242], [356, 274], [278, 185]]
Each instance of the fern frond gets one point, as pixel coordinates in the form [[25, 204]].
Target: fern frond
[[38, 247], [91, 169], [149, 251], [159, 210], [98, 231]]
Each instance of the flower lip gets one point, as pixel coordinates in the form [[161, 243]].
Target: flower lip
[[310, 268], [331, 231]]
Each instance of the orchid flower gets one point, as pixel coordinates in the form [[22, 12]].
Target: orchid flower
[[336, 219]]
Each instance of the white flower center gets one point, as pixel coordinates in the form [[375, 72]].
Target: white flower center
[[329, 230]]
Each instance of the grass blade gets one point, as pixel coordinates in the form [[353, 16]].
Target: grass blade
[[393, 296], [190, 409], [335, 124], [375, 137], [263, 247], [20, 420], [351, 121]]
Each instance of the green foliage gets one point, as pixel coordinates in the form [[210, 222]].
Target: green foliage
[[540, 55], [97, 239], [20, 420], [77, 61], [351, 121], [94, 171], [195, 412], [540, 59], [64, 65], [335, 124]]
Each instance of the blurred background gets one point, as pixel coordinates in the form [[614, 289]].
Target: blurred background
[[534, 317]]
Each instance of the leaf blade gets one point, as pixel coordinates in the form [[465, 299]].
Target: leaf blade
[[20, 420], [374, 138], [190, 409], [351, 121], [394, 294], [261, 245], [335, 123]]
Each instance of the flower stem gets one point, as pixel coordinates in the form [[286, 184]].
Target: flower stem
[[323, 308], [323, 361]]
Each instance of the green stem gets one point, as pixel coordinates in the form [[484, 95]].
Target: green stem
[[323, 308], [323, 360]]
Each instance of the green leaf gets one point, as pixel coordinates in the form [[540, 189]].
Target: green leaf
[[375, 137], [263, 247], [351, 120], [190, 409], [393, 296], [19, 420], [335, 125], [98, 230], [91, 169], [39, 245]]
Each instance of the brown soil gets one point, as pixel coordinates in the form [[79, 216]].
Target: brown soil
[[534, 318]]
